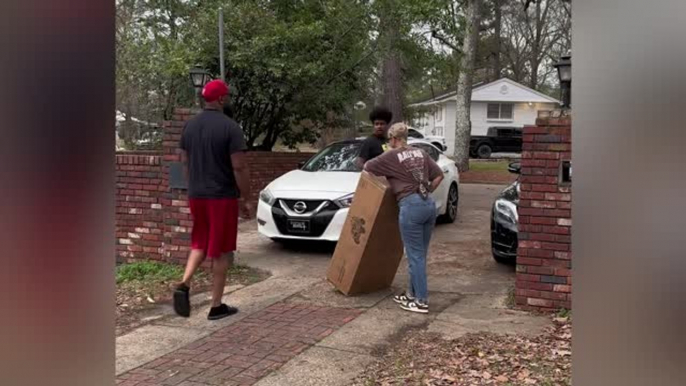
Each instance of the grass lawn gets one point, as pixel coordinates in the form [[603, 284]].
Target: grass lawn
[[148, 272], [488, 172], [142, 285], [489, 166]]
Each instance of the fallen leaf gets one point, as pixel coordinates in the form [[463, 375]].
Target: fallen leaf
[[562, 352], [523, 374]]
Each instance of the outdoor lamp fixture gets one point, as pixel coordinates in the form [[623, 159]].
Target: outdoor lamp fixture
[[199, 77], [564, 73]]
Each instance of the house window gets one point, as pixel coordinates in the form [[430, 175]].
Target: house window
[[504, 111]]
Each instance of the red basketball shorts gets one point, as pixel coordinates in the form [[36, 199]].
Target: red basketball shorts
[[215, 225]]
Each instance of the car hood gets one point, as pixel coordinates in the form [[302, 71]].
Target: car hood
[[314, 185], [511, 193]]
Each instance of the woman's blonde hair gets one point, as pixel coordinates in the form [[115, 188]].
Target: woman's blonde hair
[[399, 131]]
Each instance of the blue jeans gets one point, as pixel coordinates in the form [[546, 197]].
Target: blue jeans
[[417, 221]]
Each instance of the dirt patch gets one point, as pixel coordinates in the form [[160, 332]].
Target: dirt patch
[[444, 268], [477, 359], [496, 177], [466, 254], [138, 298]]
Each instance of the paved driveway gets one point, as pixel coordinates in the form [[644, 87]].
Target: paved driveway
[[460, 258]]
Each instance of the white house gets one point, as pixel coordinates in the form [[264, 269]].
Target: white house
[[503, 102]]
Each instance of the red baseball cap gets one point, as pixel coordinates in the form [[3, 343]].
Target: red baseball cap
[[215, 90]]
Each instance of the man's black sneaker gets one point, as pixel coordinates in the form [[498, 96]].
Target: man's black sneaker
[[415, 306], [182, 301], [221, 311], [402, 298]]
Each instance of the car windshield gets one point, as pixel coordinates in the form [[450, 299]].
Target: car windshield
[[338, 157]]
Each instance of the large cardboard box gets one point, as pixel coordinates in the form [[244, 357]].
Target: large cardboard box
[[369, 249]]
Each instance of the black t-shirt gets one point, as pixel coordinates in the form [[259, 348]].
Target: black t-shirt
[[209, 139], [372, 147]]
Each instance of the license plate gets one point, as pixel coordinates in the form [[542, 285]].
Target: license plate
[[299, 226]]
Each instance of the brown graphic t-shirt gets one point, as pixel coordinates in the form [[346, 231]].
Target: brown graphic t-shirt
[[404, 169]]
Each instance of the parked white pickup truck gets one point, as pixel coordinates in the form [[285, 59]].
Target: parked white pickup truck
[[437, 141]]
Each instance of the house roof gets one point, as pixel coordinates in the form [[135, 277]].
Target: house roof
[[442, 95], [501, 90]]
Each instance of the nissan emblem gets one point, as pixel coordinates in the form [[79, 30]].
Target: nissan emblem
[[300, 207]]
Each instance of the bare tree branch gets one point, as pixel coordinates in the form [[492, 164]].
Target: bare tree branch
[[357, 63], [442, 39]]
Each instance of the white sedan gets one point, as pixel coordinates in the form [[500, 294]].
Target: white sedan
[[312, 203]]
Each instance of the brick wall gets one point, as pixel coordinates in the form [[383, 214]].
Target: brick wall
[[265, 167], [153, 221], [139, 215], [544, 276]]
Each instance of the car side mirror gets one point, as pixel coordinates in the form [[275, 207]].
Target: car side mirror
[[301, 164], [515, 168]]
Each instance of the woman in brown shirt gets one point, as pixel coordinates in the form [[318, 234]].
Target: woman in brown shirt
[[413, 176]]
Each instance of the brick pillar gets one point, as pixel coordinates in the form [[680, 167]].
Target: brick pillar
[[544, 276], [177, 216], [139, 213]]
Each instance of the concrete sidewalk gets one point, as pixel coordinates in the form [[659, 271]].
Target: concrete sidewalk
[[295, 329], [297, 333]]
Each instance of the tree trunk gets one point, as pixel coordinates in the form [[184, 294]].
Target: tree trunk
[[391, 69], [463, 124], [497, 65], [392, 86], [535, 61]]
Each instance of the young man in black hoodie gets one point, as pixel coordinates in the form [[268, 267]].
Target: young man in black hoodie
[[375, 144]]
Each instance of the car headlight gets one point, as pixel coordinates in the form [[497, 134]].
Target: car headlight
[[267, 197], [506, 211], [345, 201]]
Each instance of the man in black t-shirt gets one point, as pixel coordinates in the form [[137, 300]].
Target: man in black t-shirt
[[375, 144], [213, 149]]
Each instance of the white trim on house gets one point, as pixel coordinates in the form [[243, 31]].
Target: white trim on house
[[476, 97]]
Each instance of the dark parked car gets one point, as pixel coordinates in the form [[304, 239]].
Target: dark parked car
[[504, 221], [503, 139]]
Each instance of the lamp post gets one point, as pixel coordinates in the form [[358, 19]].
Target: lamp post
[[564, 73], [199, 78]]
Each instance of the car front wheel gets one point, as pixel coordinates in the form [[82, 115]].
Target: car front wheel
[[451, 203]]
